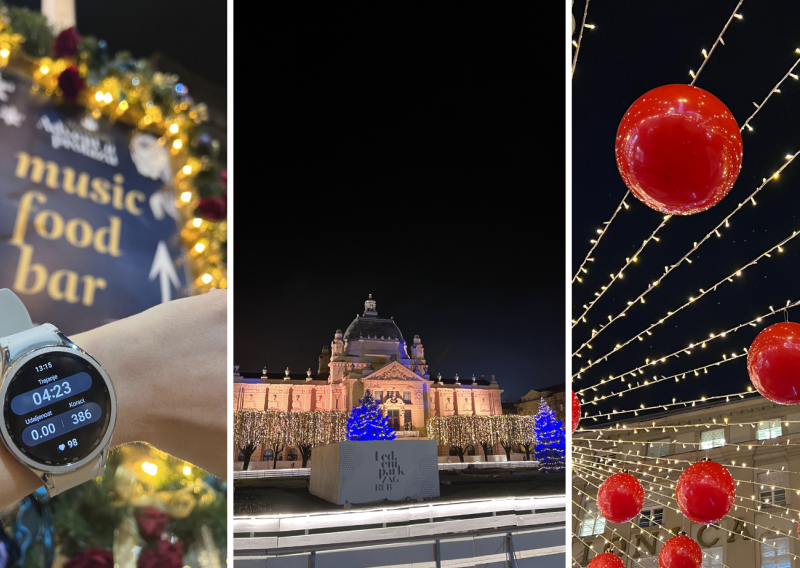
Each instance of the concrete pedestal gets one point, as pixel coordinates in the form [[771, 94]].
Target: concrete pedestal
[[363, 472]]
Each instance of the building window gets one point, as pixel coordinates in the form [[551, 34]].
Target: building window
[[378, 396], [647, 562], [658, 448], [291, 455], [471, 450], [240, 457], [651, 517], [394, 419], [769, 429], [712, 558], [775, 553], [268, 454], [712, 439], [407, 397], [407, 420], [593, 522], [770, 489]]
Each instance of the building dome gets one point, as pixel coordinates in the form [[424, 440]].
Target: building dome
[[370, 325]]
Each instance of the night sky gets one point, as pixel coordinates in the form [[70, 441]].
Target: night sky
[[408, 159], [192, 32], [635, 47]]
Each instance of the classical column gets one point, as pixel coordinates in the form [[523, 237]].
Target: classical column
[[60, 13]]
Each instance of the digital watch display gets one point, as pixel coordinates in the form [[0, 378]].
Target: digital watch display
[[57, 407]]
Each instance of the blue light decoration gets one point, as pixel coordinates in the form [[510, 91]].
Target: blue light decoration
[[367, 422], [551, 445]]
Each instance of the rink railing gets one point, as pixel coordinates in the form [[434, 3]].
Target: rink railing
[[306, 471], [270, 532]]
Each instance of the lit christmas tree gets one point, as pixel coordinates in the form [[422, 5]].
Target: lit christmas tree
[[550, 440], [367, 422]]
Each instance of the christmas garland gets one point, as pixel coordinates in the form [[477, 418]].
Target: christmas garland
[[72, 69]]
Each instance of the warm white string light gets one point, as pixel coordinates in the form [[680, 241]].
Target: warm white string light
[[620, 428], [639, 463], [653, 484], [754, 483], [618, 275], [688, 403], [595, 242], [706, 56], [609, 543], [775, 89], [678, 376], [736, 273], [667, 505], [685, 258], [659, 537], [580, 37], [747, 445], [689, 350]]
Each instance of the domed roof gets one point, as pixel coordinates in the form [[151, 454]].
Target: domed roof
[[363, 327], [370, 325]]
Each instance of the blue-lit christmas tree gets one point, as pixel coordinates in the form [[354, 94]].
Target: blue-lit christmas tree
[[367, 422], [550, 446]]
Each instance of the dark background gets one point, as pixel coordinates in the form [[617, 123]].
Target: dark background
[[416, 154], [635, 47]]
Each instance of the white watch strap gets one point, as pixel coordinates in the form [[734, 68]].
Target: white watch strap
[[25, 341], [55, 484], [13, 314]]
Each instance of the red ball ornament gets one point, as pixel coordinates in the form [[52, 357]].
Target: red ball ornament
[[576, 411], [620, 498], [680, 552], [679, 149], [606, 560], [705, 492], [773, 363]]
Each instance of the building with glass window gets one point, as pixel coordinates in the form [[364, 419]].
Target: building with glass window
[[370, 354], [761, 437]]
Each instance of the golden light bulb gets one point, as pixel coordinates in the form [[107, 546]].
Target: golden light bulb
[[187, 470], [44, 69], [4, 53], [187, 170], [173, 128], [107, 98], [197, 221], [123, 106], [177, 144], [186, 196], [206, 278], [150, 468], [98, 96], [199, 247]]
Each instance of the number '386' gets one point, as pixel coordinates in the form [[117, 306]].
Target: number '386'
[[81, 417]]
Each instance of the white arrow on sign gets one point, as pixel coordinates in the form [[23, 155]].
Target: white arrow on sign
[[165, 270]]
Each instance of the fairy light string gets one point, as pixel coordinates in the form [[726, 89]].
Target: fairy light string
[[595, 242], [592, 473], [707, 56], [689, 403], [619, 274], [702, 292], [741, 498], [580, 37], [775, 89], [688, 350], [610, 543]]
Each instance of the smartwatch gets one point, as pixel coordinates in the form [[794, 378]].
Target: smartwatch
[[57, 404]]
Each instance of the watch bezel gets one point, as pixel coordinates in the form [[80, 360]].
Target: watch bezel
[[5, 380]]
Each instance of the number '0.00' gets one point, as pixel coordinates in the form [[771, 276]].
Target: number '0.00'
[[44, 431]]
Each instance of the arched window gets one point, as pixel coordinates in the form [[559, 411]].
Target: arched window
[[471, 451], [268, 455], [453, 451], [292, 455], [240, 457]]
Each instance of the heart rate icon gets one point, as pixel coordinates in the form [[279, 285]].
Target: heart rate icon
[[61, 447]]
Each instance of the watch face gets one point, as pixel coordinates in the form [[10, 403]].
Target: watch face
[[57, 408]]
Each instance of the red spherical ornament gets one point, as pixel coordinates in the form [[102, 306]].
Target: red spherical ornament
[[680, 552], [705, 492], [71, 83], [576, 411], [620, 498], [773, 363], [679, 149], [606, 560]]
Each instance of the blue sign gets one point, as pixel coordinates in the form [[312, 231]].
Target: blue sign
[[88, 224]]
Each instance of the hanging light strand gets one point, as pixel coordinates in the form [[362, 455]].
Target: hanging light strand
[[618, 275], [775, 89], [596, 241], [738, 272], [687, 403], [707, 56], [689, 350], [580, 38]]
